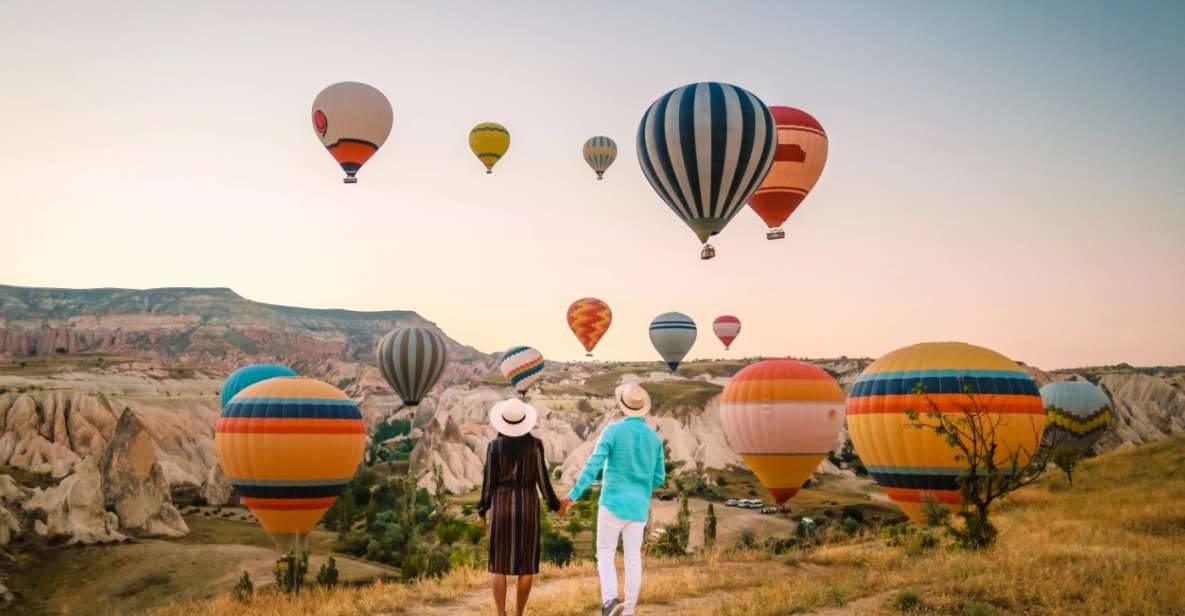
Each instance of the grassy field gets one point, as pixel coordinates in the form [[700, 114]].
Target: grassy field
[[1113, 543]]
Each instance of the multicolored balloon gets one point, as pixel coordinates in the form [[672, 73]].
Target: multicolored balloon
[[489, 142], [589, 318], [412, 360], [352, 120], [249, 375], [673, 335], [911, 462], [705, 148], [798, 163], [522, 366], [783, 417], [727, 328], [600, 152], [1077, 413], [289, 446]]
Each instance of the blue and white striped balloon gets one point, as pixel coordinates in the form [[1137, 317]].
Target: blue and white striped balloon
[[705, 148], [672, 334], [522, 366]]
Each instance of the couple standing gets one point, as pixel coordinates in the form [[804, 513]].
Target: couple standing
[[630, 455]]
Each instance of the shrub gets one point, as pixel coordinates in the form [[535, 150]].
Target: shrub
[[780, 545], [243, 590], [935, 512], [413, 566], [710, 527], [327, 576], [438, 563], [557, 549], [747, 539], [475, 533], [906, 600], [852, 513]]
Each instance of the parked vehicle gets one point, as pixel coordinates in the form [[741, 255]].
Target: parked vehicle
[[732, 502]]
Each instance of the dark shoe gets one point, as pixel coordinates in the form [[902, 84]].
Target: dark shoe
[[612, 608]]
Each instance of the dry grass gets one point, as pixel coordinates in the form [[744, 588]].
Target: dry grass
[[1114, 543]]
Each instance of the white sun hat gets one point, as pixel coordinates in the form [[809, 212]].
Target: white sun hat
[[633, 400], [513, 417]]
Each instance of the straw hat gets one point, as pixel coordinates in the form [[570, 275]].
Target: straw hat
[[633, 400], [513, 417]]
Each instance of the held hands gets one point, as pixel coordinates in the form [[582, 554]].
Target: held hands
[[481, 519], [565, 505]]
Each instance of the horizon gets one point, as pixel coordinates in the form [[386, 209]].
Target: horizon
[[1006, 175]]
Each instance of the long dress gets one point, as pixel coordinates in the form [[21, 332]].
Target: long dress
[[515, 475]]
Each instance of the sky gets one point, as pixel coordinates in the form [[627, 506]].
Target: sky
[[1007, 174]]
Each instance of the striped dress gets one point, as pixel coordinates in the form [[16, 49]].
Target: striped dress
[[515, 475]]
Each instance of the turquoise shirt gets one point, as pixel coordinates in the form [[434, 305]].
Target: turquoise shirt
[[631, 454]]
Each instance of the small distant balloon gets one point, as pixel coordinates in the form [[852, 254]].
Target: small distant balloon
[[589, 318], [352, 120], [727, 328], [411, 360], [599, 153], [522, 366], [489, 142], [673, 335], [1077, 413]]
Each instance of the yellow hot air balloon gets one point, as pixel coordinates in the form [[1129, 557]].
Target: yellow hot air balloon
[[782, 416], [489, 142], [289, 446], [910, 463]]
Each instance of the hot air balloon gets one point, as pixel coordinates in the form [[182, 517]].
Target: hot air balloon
[[249, 375], [352, 120], [911, 462], [672, 334], [705, 148], [522, 365], [1077, 413], [599, 153], [798, 163], [289, 446], [411, 360], [727, 328], [489, 142], [782, 416], [589, 318]]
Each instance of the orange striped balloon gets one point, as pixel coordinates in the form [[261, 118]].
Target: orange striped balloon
[[798, 163], [289, 446], [910, 463], [782, 416], [589, 318]]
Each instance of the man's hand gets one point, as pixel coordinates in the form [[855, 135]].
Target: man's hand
[[565, 505], [481, 519]]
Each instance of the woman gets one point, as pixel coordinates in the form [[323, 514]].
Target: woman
[[515, 474]]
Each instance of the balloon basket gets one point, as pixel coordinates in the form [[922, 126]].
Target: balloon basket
[[489, 171], [775, 234], [707, 253], [349, 180]]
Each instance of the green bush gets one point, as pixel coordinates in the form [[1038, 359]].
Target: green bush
[[474, 534], [557, 549], [243, 590], [413, 566], [852, 513], [327, 576], [747, 539], [906, 600]]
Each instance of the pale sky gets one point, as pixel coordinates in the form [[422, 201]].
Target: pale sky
[[1006, 174]]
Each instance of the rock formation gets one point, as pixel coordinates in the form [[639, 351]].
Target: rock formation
[[75, 508], [134, 484]]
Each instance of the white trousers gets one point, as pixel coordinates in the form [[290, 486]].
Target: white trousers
[[609, 528]]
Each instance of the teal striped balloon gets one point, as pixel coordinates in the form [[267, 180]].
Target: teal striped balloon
[[249, 375], [599, 153]]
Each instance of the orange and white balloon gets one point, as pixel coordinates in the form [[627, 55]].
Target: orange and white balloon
[[352, 120], [783, 417], [798, 163]]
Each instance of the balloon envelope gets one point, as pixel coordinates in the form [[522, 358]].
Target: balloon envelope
[[489, 142], [289, 446], [523, 366], [798, 163], [911, 462], [673, 335], [705, 148], [599, 152], [589, 318], [352, 120], [727, 328], [783, 417], [1077, 413], [249, 375], [412, 359]]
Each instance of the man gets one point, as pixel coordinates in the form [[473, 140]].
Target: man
[[630, 454]]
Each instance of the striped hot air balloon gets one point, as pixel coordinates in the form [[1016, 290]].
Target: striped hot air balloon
[[798, 163], [352, 120], [782, 416], [289, 446], [727, 328], [412, 360], [522, 366], [911, 462], [673, 335], [589, 318], [489, 142], [249, 375], [705, 148], [600, 152], [1077, 413]]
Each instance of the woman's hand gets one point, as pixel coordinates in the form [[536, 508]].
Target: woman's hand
[[481, 519]]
